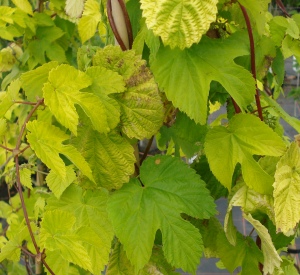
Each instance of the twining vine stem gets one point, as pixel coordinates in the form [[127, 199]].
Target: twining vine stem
[[252, 55], [16, 152]]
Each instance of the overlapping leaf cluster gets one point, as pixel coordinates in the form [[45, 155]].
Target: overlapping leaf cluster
[[73, 108]]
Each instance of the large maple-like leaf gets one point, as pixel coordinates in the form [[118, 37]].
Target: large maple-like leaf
[[61, 93], [287, 190], [140, 104], [46, 140], [245, 136], [169, 188], [179, 23], [92, 224], [185, 76], [110, 156]]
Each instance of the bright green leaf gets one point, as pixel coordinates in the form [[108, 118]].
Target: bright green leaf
[[185, 76], [56, 234], [25, 178], [33, 81], [140, 105], [109, 156], [245, 136], [169, 188], [58, 184], [271, 258], [91, 16], [287, 190], [23, 5], [185, 133], [46, 140], [179, 23]]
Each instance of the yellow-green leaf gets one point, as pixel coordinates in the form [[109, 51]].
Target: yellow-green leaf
[[61, 93], [287, 190], [271, 258], [25, 178], [89, 21], [23, 5], [46, 140], [58, 184], [180, 23]]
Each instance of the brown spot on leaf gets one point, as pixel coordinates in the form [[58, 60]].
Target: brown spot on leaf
[[157, 161]]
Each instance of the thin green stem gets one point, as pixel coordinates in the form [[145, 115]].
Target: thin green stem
[[252, 55]]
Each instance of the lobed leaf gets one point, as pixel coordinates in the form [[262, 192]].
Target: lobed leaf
[[46, 140], [56, 234], [92, 225], [245, 136], [179, 23], [61, 93], [169, 188], [185, 76]]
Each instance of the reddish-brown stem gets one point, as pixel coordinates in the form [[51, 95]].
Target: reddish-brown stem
[[258, 243], [19, 186], [236, 107], [6, 148], [40, 102], [114, 27], [147, 149], [282, 7], [25, 102], [252, 55], [20, 191]]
